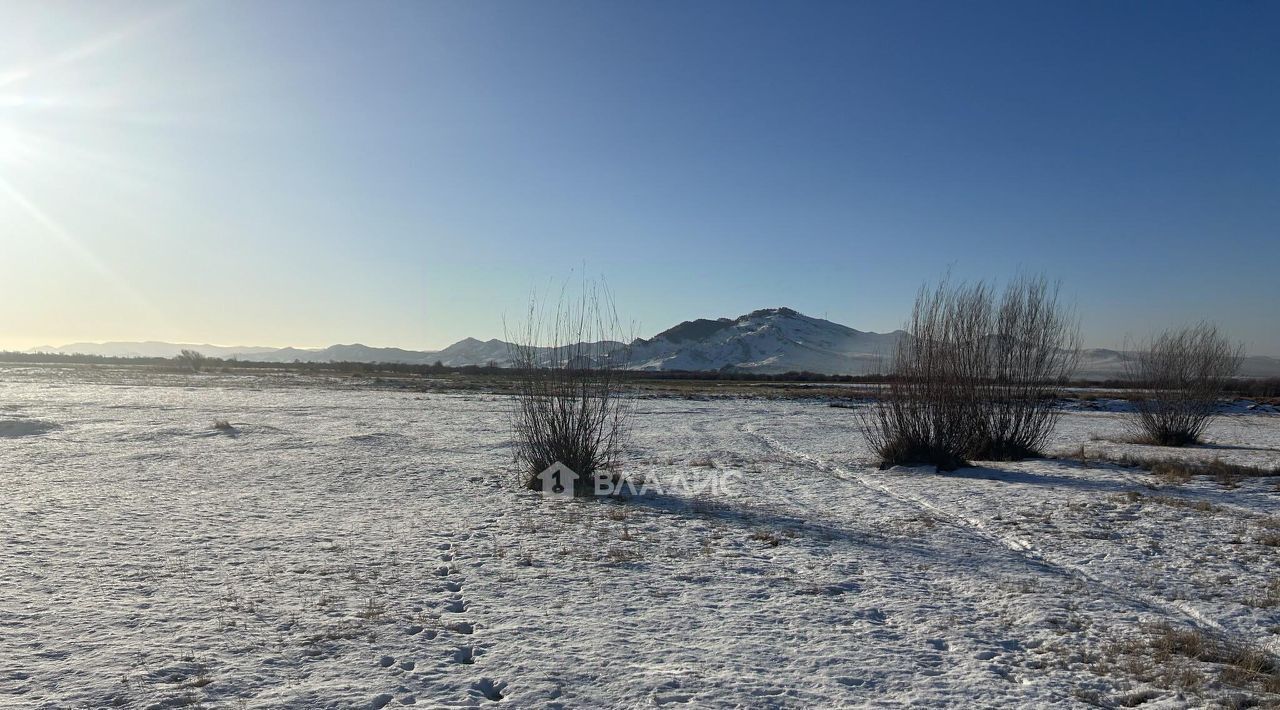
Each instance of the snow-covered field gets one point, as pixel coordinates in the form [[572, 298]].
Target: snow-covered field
[[354, 547]]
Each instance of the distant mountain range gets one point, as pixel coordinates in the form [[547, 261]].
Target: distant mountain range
[[767, 341]]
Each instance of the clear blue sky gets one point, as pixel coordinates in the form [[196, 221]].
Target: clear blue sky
[[403, 173]]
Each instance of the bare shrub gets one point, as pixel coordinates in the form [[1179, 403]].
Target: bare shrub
[[1183, 373], [1033, 347], [975, 377], [569, 405], [927, 412], [191, 359]]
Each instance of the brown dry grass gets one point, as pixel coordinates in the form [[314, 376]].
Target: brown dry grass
[[1176, 471], [1191, 660]]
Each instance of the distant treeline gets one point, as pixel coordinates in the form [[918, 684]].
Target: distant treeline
[[215, 363], [437, 368], [1242, 387]]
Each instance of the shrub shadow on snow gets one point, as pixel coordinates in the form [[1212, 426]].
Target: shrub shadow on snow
[[747, 517], [1076, 482], [946, 551], [25, 427], [1229, 447], [752, 519]]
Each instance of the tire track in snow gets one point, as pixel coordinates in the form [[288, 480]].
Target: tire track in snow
[[1022, 548]]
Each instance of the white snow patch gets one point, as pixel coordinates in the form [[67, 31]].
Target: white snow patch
[[354, 548]]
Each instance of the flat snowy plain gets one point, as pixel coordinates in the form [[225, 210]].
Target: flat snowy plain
[[345, 546]]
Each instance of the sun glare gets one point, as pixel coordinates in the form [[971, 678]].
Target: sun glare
[[54, 126], [10, 143]]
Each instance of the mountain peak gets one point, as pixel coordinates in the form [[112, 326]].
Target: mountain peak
[[696, 329], [779, 311], [777, 339], [701, 328]]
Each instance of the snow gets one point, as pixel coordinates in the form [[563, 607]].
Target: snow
[[344, 546], [769, 340]]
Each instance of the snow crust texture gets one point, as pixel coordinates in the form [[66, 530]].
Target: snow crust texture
[[339, 547]]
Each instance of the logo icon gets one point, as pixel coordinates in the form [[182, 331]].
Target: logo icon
[[557, 481]]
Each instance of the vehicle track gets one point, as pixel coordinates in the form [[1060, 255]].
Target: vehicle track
[[1023, 548]]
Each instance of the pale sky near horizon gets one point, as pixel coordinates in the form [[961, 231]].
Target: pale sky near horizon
[[406, 173]]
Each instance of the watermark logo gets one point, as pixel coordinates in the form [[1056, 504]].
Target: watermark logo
[[719, 484], [558, 481]]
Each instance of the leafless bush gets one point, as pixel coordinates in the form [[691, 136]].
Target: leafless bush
[[928, 411], [1183, 373], [975, 377], [1033, 346], [191, 359], [569, 405]]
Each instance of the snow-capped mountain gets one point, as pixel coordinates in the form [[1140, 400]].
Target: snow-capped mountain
[[470, 351], [770, 340]]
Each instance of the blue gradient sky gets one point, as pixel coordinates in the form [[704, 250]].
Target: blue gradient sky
[[404, 173]]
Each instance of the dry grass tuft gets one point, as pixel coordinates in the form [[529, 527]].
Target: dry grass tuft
[[1267, 598], [1175, 471], [1200, 506], [1192, 660], [768, 537]]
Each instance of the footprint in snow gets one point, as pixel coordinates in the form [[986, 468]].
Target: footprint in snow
[[452, 586], [851, 681], [455, 606], [489, 689], [465, 654], [416, 629], [460, 627]]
